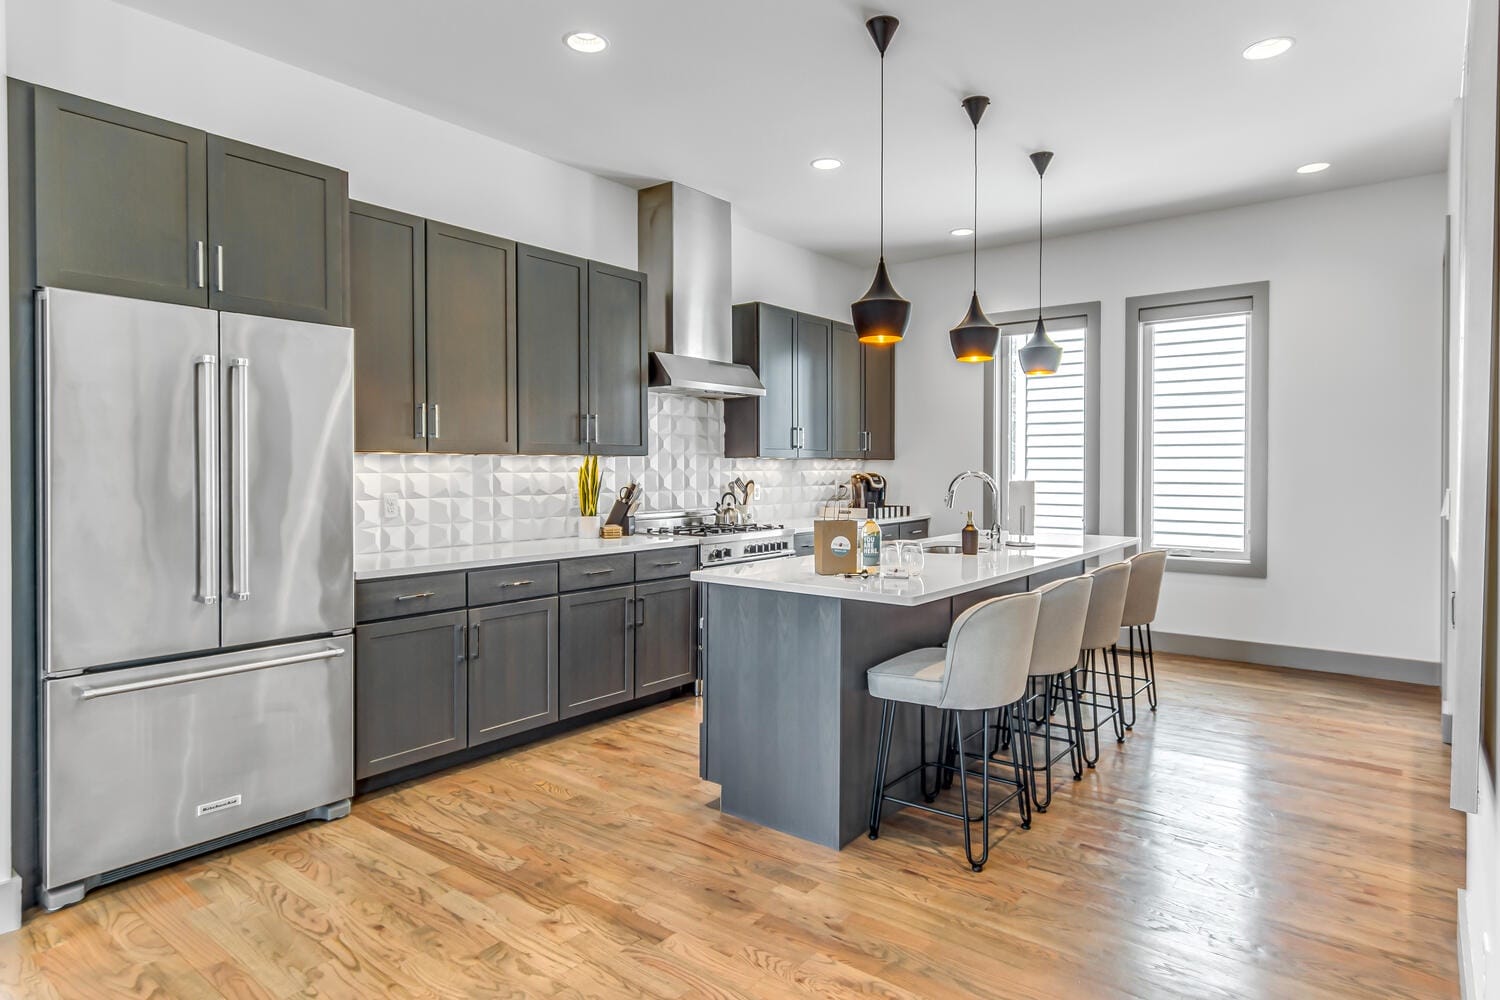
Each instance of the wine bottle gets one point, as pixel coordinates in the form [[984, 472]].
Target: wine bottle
[[869, 546]]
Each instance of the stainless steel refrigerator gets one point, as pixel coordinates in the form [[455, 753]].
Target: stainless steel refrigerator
[[196, 586]]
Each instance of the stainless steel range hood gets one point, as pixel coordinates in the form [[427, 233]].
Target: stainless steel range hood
[[684, 248]]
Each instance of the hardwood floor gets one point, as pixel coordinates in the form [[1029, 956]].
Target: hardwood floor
[[1268, 833]]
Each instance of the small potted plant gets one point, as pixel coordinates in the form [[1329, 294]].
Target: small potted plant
[[588, 498]]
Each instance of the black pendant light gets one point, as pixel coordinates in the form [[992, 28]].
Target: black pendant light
[[1041, 355], [880, 316], [975, 337]]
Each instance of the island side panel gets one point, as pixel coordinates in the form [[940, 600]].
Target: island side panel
[[771, 708], [871, 633]]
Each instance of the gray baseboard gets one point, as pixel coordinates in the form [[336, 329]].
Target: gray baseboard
[[1385, 668]]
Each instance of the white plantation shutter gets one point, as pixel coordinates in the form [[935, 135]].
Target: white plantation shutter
[[1196, 428], [1047, 430]]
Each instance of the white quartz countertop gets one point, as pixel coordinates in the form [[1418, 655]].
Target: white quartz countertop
[[943, 576], [460, 557]]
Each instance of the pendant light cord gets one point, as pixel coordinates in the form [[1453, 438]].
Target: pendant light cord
[[882, 154], [975, 232], [1041, 182]]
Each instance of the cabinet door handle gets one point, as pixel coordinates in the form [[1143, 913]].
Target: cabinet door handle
[[640, 611], [437, 423], [219, 254], [416, 597], [474, 642], [598, 572], [421, 422], [202, 258]]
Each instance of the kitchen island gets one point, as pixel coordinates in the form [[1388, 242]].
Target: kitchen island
[[788, 726]]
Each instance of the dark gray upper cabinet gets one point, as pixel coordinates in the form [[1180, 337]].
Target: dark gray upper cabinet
[[616, 353], [410, 691], [472, 363], [814, 339], [276, 233], [132, 205], [880, 401], [791, 353], [388, 310], [666, 635], [596, 662], [552, 299], [512, 668], [582, 336], [121, 202], [846, 393]]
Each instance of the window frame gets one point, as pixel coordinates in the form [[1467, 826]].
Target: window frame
[[1257, 458], [997, 406]]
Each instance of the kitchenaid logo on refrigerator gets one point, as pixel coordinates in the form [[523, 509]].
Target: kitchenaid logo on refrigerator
[[219, 805]]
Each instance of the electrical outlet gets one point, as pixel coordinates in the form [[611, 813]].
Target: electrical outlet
[[390, 507]]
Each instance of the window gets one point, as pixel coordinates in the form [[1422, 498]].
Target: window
[[1197, 427], [1046, 427]]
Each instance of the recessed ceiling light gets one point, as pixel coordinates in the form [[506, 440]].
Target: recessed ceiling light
[[827, 163], [586, 41], [1268, 48], [1313, 168], [961, 231]]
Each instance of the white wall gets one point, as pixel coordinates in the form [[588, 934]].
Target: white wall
[[1354, 400], [770, 270]]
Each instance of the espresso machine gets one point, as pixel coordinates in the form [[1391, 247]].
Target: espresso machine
[[867, 490]]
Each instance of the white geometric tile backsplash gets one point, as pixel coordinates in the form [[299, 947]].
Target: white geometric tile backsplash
[[449, 500]]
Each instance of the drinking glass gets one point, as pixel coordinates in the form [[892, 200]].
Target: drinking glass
[[912, 558], [890, 559]]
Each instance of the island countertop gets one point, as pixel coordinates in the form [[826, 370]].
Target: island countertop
[[943, 576]]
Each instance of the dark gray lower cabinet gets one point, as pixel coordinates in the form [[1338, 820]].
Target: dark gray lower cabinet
[[666, 634], [596, 663], [410, 691], [512, 668]]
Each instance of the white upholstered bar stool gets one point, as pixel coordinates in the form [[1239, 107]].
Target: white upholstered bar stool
[[1146, 571], [1054, 659], [1101, 655], [983, 667]]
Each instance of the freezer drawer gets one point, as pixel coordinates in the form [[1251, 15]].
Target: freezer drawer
[[146, 761]]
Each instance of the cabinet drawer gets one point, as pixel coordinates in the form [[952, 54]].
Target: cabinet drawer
[[914, 529], [667, 563], [407, 595], [596, 571], [512, 583]]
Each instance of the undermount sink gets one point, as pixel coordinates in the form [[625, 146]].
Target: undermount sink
[[944, 548]]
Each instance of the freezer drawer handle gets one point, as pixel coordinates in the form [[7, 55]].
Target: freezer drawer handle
[[239, 481], [208, 479], [105, 690]]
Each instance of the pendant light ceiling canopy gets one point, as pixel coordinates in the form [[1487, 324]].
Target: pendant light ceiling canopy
[[974, 339], [880, 316], [1040, 355]]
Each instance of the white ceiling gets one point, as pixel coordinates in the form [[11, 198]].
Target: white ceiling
[[1147, 103]]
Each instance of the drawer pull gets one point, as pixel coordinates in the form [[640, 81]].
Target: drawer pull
[[518, 583], [416, 597], [667, 565], [597, 572]]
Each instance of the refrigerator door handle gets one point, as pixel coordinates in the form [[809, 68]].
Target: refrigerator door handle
[[105, 690], [206, 366], [239, 478]]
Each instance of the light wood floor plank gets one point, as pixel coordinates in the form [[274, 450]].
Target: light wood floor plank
[[1266, 834]]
